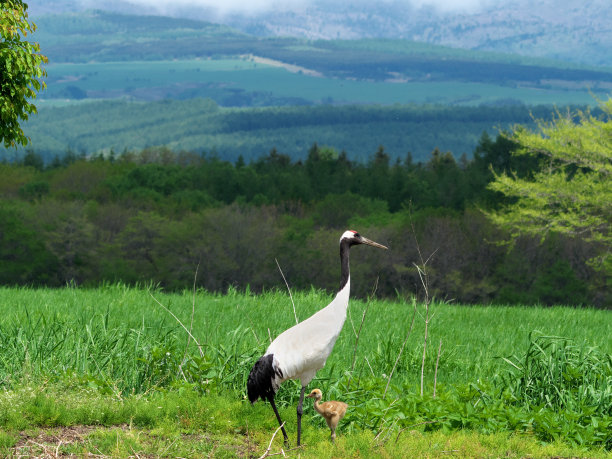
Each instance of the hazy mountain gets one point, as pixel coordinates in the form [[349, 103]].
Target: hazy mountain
[[561, 29]]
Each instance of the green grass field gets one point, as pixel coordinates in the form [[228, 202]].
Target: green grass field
[[474, 338], [113, 358], [221, 79]]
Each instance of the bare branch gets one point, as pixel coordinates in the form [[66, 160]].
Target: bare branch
[[436, 371], [180, 323], [290, 296], [267, 452], [370, 366]]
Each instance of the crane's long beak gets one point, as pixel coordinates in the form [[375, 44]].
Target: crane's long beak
[[365, 240]]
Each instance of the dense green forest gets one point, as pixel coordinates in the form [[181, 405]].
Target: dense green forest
[[201, 125], [159, 216]]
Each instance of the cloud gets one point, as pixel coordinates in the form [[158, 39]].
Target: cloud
[[246, 6], [223, 6], [452, 5]]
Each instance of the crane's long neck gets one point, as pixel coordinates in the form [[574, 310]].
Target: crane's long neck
[[345, 274]]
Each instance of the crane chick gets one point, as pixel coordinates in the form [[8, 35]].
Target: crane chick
[[332, 411]]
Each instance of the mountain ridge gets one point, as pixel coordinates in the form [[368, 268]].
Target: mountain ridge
[[555, 29]]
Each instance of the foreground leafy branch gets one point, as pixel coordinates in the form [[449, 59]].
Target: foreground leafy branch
[[20, 71], [570, 193]]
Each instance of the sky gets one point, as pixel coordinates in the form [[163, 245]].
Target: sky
[[259, 5]]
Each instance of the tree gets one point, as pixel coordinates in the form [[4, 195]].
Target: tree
[[570, 192], [20, 71], [24, 258]]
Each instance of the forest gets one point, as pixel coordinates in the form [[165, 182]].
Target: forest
[[202, 125], [161, 216]]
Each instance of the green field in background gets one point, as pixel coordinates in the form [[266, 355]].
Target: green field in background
[[223, 78]]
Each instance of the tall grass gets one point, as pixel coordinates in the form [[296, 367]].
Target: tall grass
[[560, 374], [120, 341], [122, 333]]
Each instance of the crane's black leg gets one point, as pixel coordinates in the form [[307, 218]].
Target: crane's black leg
[[299, 414], [280, 422]]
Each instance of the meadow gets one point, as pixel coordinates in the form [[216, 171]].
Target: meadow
[[118, 357], [244, 82]]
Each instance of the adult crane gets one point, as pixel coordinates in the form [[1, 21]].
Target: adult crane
[[300, 351]]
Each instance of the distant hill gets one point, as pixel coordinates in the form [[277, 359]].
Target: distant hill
[[577, 32], [385, 70], [127, 81]]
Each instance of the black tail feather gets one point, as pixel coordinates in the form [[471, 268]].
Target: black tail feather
[[259, 384]]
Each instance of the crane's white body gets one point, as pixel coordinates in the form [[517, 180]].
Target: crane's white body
[[303, 349]]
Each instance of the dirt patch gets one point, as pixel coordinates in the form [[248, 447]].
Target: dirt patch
[[46, 443], [75, 441]]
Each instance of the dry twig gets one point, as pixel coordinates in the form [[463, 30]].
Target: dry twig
[[436, 372], [195, 277], [290, 296], [424, 277], [267, 452], [180, 323]]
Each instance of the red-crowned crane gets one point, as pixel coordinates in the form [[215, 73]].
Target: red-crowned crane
[[299, 352]]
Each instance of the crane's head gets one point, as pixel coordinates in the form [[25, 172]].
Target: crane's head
[[354, 238]]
